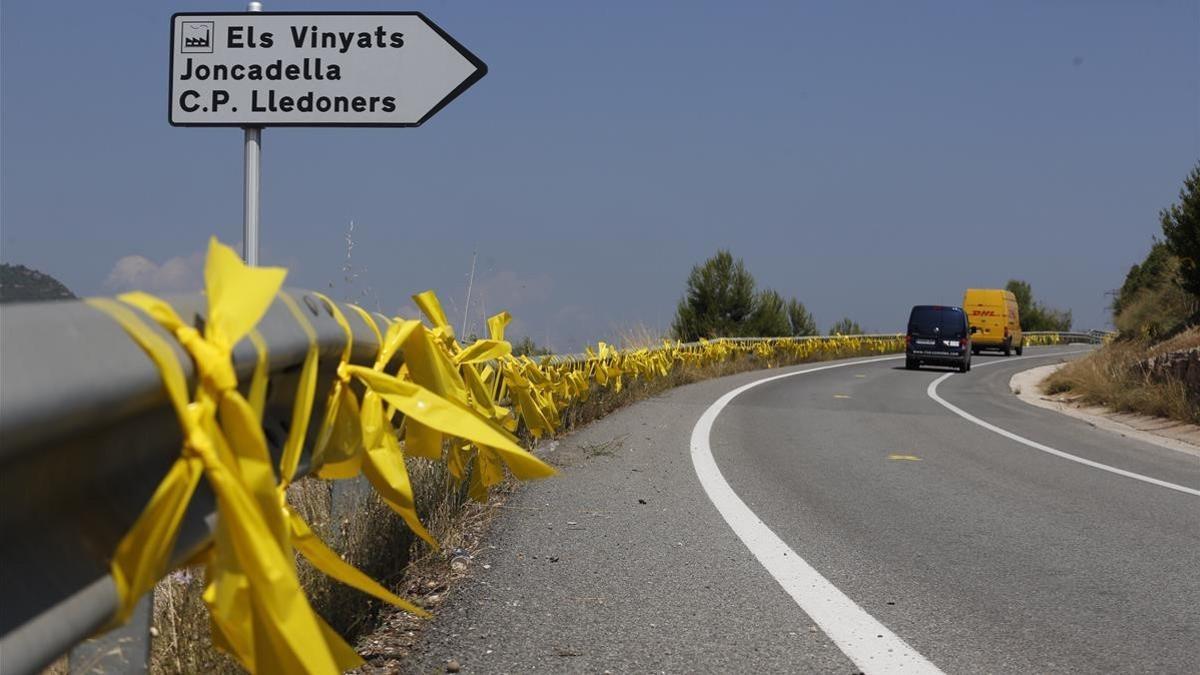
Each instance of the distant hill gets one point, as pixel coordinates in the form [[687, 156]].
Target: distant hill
[[18, 283]]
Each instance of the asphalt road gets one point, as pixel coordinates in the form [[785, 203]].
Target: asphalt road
[[978, 552]]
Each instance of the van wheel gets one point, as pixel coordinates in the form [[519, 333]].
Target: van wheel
[[910, 364], [1021, 347], [974, 350]]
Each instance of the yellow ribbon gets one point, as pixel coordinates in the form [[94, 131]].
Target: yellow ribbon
[[459, 402], [302, 537], [259, 611]]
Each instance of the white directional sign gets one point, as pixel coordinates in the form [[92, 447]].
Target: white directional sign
[[323, 69]]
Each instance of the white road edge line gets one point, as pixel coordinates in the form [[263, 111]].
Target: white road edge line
[[861, 637], [932, 392]]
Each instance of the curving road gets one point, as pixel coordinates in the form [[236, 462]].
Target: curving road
[[931, 542]]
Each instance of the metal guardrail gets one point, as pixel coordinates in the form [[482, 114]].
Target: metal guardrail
[[87, 433], [1088, 337], [581, 357], [1092, 337]]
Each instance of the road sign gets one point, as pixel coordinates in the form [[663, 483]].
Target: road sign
[[314, 69]]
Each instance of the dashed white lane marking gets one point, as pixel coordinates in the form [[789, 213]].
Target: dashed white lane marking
[[861, 637], [932, 392]]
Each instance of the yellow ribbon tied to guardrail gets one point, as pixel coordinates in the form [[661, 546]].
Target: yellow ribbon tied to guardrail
[[458, 403], [259, 611]]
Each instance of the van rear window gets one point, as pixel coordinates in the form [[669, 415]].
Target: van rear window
[[948, 321]]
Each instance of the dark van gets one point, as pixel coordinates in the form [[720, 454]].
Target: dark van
[[938, 336]]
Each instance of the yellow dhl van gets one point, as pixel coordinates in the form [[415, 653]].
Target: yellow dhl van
[[994, 312]]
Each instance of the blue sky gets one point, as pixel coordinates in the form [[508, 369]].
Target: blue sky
[[863, 157]]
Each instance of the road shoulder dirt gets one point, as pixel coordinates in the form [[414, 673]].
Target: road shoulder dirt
[[1162, 432]]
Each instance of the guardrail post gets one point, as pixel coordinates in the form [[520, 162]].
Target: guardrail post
[[122, 650]]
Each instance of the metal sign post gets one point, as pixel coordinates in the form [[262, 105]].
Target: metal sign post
[[250, 198], [253, 156], [256, 69]]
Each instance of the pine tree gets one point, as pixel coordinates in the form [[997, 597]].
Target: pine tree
[[801, 319], [1181, 229], [718, 302]]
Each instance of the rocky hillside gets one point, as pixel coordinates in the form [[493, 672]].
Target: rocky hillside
[[18, 283]]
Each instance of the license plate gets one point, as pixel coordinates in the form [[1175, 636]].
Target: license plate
[[926, 342]]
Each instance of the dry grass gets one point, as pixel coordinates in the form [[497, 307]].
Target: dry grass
[[459, 525], [640, 336], [1111, 377], [1188, 339], [351, 518], [183, 643]]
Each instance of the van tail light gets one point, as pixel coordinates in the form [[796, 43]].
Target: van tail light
[[908, 340]]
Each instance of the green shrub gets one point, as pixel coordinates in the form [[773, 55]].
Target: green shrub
[[1181, 228], [801, 319], [845, 327], [721, 300]]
